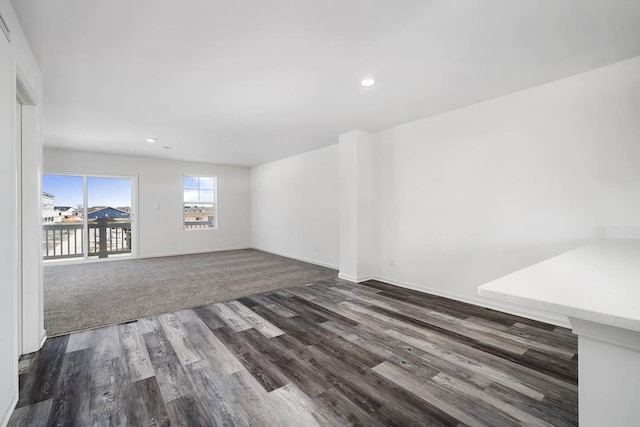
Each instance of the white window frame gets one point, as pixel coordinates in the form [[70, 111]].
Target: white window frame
[[215, 202], [85, 198]]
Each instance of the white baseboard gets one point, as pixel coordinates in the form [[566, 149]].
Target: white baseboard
[[204, 251], [43, 337], [540, 316], [355, 279], [9, 411], [146, 256], [298, 258]]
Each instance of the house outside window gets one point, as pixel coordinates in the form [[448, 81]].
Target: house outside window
[[199, 202]]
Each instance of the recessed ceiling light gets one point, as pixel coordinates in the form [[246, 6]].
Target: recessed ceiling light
[[368, 82], [166, 147], [151, 140]]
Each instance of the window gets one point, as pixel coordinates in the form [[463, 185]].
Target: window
[[199, 202]]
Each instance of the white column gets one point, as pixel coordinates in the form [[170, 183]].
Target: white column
[[608, 374], [356, 206]]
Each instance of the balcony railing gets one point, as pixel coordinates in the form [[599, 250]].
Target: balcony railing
[[66, 240], [62, 241], [191, 223]]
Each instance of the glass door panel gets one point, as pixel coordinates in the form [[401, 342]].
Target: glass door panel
[[62, 216], [109, 216]]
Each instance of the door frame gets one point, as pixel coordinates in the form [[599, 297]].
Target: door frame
[[29, 291], [134, 215], [19, 228]]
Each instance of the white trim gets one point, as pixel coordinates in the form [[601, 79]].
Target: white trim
[[606, 333], [133, 217], [204, 251], [24, 91], [9, 411], [355, 279], [214, 203], [133, 178], [117, 258], [31, 233], [347, 277], [298, 258], [540, 316], [43, 338], [20, 214], [85, 221], [78, 260]]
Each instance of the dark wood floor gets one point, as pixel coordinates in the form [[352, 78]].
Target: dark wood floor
[[330, 353]]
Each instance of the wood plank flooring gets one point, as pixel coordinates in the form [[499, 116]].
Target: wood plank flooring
[[330, 353]]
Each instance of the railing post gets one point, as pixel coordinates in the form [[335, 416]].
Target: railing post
[[102, 236]]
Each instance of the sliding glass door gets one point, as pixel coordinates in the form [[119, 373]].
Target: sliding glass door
[[62, 216], [87, 216], [109, 216]]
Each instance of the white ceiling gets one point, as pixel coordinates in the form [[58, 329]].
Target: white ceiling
[[251, 81]]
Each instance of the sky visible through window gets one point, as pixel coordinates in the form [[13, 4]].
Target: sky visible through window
[[198, 189], [67, 190]]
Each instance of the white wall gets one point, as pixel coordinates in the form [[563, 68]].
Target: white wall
[[159, 216], [471, 195], [468, 196], [14, 57], [295, 207]]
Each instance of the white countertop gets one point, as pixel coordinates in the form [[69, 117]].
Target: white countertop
[[599, 283]]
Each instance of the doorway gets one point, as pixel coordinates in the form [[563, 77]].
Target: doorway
[[88, 217], [28, 160], [19, 238]]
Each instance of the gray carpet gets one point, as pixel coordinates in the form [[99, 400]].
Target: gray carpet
[[84, 296]]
